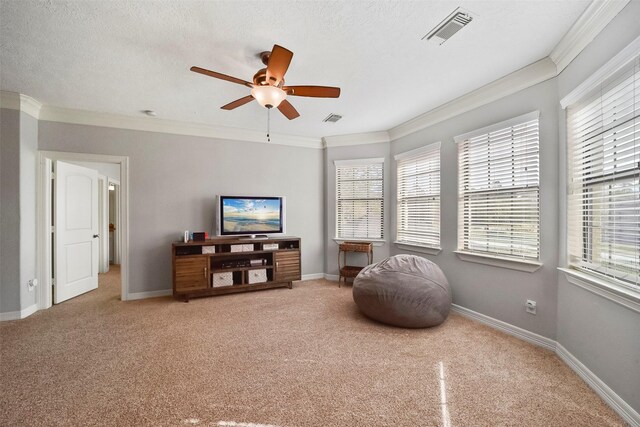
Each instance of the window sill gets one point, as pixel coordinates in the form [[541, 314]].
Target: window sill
[[603, 288], [376, 242], [512, 264], [417, 248]]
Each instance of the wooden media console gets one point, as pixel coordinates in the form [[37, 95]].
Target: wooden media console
[[227, 265]]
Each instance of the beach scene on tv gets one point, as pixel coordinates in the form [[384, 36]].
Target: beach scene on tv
[[251, 215]]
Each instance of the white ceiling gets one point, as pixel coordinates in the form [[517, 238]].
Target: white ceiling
[[125, 56]]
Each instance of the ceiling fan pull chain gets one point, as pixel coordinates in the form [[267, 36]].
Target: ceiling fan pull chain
[[268, 124]]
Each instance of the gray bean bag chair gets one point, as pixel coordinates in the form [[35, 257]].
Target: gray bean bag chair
[[403, 290]]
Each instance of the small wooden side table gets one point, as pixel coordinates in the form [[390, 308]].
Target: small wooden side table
[[351, 271]]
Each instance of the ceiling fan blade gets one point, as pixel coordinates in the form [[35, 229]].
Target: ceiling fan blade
[[287, 109], [279, 61], [220, 76], [237, 103], [314, 91]]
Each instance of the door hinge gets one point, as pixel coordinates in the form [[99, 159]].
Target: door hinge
[[53, 228], [53, 282], [53, 175]]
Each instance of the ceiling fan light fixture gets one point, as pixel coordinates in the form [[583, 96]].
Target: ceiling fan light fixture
[[268, 96]]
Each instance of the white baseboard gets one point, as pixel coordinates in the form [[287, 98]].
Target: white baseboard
[[333, 277], [616, 403], [313, 276], [15, 315], [604, 391], [149, 294], [506, 327]]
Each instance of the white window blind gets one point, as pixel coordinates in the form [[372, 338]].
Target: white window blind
[[360, 199], [498, 195], [418, 198], [604, 178]]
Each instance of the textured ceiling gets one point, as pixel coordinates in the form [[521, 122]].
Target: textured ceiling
[[126, 56]]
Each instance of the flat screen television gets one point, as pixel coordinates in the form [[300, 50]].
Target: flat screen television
[[250, 215]]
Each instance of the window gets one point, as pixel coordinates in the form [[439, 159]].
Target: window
[[360, 199], [418, 210], [498, 190], [603, 130]]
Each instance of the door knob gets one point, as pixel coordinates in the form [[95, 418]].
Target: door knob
[[96, 235]]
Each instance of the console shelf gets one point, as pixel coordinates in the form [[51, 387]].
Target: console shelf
[[258, 267], [223, 265]]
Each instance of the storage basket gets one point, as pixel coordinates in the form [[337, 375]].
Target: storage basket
[[242, 248], [257, 276], [222, 279]]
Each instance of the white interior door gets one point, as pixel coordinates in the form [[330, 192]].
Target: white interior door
[[76, 231]]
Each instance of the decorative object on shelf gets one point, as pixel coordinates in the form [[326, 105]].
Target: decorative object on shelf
[[351, 271], [198, 236], [404, 290]]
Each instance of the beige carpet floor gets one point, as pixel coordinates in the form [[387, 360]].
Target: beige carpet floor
[[300, 357]]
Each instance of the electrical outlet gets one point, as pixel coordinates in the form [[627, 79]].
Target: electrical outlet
[[31, 284], [531, 306]]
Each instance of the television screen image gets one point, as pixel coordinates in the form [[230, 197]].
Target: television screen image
[[250, 215]]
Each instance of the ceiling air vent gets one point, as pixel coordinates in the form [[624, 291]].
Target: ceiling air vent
[[449, 26], [332, 118]]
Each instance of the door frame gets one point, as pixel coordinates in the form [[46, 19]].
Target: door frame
[[116, 234], [103, 223], [44, 295]]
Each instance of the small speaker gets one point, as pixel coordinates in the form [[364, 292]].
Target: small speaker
[[198, 236]]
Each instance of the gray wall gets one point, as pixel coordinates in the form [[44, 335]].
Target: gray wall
[[603, 335], [28, 168], [174, 180], [19, 147], [381, 250], [497, 292], [9, 210]]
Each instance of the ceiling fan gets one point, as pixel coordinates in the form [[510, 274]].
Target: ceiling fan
[[268, 84]]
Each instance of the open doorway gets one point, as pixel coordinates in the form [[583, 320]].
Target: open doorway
[[114, 238], [113, 201], [108, 212]]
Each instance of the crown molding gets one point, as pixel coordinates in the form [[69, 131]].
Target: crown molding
[[597, 15], [20, 102], [356, 139], [625, 56], [528, 76], [34, 108], [30, 106], [592, 21], [148, 124]]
